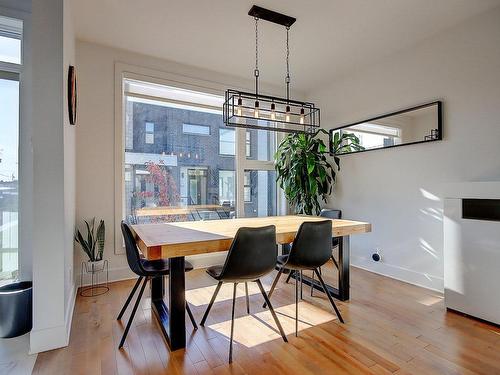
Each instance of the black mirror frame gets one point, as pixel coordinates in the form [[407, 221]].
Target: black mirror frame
[[439, 104]]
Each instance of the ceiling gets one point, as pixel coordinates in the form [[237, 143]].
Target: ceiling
[[330, 37]]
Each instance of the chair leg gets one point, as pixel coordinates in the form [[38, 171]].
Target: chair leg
[[312, 284], [301, 284], [275, 281], [329, 295], [275, 317], [133, 313], [202, 323], [129, 298], [248, 299], [188, 309], [297, 306], [335, 262], [289, 276], [232, 325]]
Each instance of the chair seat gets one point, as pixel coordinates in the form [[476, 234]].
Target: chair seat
[[160, 267], [215, 271]]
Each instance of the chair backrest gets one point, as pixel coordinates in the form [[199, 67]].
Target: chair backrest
[[312, 246], [252, 254], [331, 213], [133, 257]]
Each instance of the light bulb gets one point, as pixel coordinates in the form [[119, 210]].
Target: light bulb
[[287, 115], [239, 110], [273, 114], [301, 116], [256, 109]]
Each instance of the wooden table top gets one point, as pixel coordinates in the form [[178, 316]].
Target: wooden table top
[[168, 240]]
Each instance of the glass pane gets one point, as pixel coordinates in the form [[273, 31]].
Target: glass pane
[[196, 129], [260, 193], [260, 145], [11, 30], [10, 50], [182, 176], [227, 141], [9, 184]]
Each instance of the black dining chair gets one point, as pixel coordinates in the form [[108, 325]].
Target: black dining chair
[[330, 213], [145, 269], [310, 250], [252, 255], [333, 214]]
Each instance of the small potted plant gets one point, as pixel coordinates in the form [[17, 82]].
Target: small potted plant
[[93, 245]]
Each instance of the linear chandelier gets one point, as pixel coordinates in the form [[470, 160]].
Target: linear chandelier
[[257, 111]]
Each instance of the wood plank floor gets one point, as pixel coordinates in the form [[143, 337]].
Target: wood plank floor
[[391, 327]]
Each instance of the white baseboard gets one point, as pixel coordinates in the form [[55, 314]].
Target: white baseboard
[[56, 337], [423, 280]]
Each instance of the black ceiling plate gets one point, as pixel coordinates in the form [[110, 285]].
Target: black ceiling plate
[[271, 16]]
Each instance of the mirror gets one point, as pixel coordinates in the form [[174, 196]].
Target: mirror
[[409, 126]]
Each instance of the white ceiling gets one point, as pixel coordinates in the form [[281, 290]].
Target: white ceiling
[[329, 38]]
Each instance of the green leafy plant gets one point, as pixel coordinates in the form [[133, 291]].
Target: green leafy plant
[[93, 245], [304, 170]]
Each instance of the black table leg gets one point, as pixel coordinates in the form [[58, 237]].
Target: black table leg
[[342, 293], [172, 319], [344, 252]]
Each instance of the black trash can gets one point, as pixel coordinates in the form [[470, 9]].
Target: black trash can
[[15, 309]]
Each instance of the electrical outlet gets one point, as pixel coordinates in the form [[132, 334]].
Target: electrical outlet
[[376, 256]]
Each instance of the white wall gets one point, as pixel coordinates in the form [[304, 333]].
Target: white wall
[[69, 134], [400, 190], [95, 174], [53, 177]]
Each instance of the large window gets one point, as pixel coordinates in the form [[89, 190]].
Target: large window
[[10, 60], [189, 168], [175, 172]]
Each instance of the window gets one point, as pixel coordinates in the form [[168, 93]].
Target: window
[[227, 187], [10, 40], [10, 53], [248, 144], [247, 188], [260, 145], [261, 188], [170, 175], [150, 133], [227, 141], [196, 129], [174, 178]]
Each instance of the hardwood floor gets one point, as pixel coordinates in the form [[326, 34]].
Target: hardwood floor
[[391, 327]]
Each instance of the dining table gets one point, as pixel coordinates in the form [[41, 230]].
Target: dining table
[[176, 240]]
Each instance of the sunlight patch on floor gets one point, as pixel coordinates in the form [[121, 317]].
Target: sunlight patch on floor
[[430, 300], [202, 296], [259, 328]]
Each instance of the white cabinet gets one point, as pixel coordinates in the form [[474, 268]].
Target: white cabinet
[[471, 254]]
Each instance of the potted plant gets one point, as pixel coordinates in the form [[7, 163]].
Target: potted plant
[[92, 244], [303, 167]]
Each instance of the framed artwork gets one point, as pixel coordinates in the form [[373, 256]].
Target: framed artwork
[[72, 95]]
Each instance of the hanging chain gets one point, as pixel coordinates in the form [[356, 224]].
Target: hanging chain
[[287, 78], [256, 71]]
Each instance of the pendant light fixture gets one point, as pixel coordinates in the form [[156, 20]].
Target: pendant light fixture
[[258, 111]]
